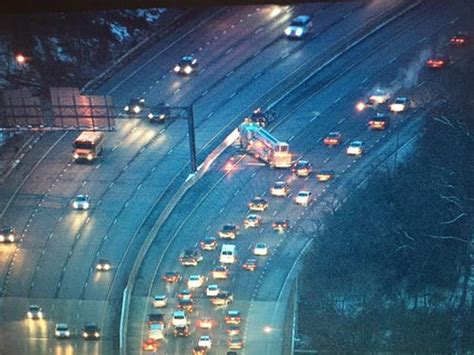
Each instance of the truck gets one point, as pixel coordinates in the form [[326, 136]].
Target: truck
[[88, 146]]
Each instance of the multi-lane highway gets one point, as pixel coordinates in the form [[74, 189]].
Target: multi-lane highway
[[244, 60]]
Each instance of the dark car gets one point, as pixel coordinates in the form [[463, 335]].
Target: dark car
[[233, 330], [190, 257], [223, 298], [181, 331], [460, 39], [281, 225], [187, 65], [261, 117], [333, 138], [186, 305], [91, 331], [103, 265], [172, 277], [7, 234], [250, 265], [159, 113], [208, 243], [438, 61], [379, 122], [235, 342], [156, 318], [135, 106], [232, 317], [302, 168], [185, 295], [229, 231]]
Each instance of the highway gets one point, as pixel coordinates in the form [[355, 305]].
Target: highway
[[53, 264]]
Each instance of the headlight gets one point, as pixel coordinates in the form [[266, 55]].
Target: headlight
[[96, 334], [67, 333], [162, 116], [75, 204], [288, 31], [299, 32], [126, 108], [40, 314], [136, 109], [150, 116], [106, 267], [29, 315], [57, 333], [85, 205], [90, 156], [188, 69], [177, 68], [11, 238], [2, 238], [85, 335], [99, 267], [76, 156]]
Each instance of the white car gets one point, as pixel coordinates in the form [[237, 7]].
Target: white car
[[280, 189], [7, 234], [303, 198], [81, 202], [355, 148], [253, 221], [212, 290], [160, 301], [61, 330], [205, 341], [400, 104], [260, 249], [299, 27], [179, 319], [34, 312], [195, 281]]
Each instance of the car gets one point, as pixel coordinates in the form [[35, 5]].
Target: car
[[135, 106], [187, 65], [260, 249], [81, 202], [229, 231], [460, 39], [333, 138], [258, 204], [232, 353], [179, 319], [233, 330], [302, 168], [205, 323], [7, 234], [232, 317], [199, 350], [103, 265], [223, 298], [250, 265], [190, 257], [61, 331], [377, 97], [185, 295], [220, 272], [253, 221], [34, 312], [160, 301], [196, 281], [280, 189], [172, 277], [91, 331], [299, 27], [260, 117], [212, 290], [400, 104], [156, 318], [324, 175], [281, 225], [355, 148], [181, 331], [186, 305], [235, 343], [303, 198], [438, 61], [150, 345], [159, 113], [208, 243], [156, 331], [379, 122], [205, 341]]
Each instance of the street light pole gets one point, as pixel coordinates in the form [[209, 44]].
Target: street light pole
[[192, 138]]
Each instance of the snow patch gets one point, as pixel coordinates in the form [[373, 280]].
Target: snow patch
[[119, 31], [58, 51]]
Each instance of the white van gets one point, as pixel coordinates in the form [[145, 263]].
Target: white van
[[228, 254]]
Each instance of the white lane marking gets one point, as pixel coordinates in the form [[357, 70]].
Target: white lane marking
[[422, 39], [337, 100], [454, 20], [393, 60], [229, 73]]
